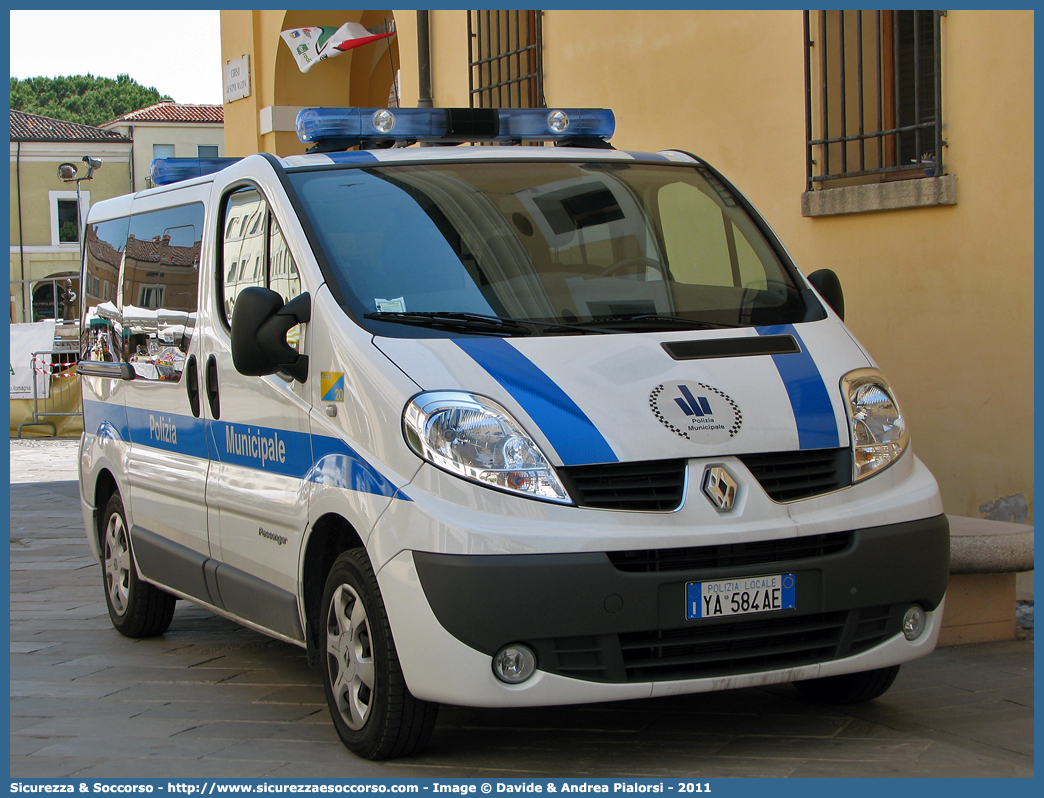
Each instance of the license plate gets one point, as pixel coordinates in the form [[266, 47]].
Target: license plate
[[741, 596]]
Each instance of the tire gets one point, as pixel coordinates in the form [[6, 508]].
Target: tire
[[136, 608], [849, 688], [372, 709]]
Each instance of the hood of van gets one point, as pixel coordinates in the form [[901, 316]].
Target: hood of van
[[650, 396]]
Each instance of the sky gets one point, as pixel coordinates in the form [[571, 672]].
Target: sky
[[182, 58]]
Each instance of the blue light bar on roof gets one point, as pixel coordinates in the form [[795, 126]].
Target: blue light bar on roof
[[352, 126], [540, 124], [165, 171]]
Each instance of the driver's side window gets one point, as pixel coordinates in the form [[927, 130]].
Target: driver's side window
[[702, 243], [255, 253]]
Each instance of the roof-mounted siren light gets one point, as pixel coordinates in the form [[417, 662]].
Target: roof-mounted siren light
[[556, 124], [330, 129], [165, 171]]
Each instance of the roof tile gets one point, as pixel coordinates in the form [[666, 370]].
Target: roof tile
[[168, 111], [33, 127]]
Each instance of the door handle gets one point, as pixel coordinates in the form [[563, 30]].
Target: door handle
[[192, 385], [212, 388]]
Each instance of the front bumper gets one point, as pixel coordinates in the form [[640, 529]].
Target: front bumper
[[619, 618]]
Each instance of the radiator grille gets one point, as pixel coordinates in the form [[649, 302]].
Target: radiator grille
[[657, 485], [723, 556], [720, 649], [789, 476]]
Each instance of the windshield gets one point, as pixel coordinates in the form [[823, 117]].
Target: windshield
[[551, 248]]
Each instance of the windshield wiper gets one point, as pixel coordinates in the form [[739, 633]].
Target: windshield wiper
[[469, 322], [482, 324], [478, 323]]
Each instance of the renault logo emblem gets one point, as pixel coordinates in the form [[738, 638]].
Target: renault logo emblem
[[720, 488]]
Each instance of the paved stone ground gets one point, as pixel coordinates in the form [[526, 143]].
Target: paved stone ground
[[212, 699]]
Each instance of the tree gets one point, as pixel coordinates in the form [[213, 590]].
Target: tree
[[84, 99]]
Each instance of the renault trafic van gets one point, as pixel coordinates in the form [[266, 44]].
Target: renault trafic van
[[495, 425]]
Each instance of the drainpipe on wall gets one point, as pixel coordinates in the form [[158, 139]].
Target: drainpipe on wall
[[423, 61], [130, 135], [21, 237]]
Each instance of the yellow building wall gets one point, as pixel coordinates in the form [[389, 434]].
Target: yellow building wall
[[33, 257], [38, 178], [360, 77], [941, 297]]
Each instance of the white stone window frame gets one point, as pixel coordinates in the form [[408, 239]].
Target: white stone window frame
[[85, 205], [147, 289]]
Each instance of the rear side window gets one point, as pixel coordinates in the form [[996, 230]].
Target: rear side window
[[101, 334], [142, 278], [160, 290]]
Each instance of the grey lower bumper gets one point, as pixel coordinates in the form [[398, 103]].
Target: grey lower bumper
[[620, 616]]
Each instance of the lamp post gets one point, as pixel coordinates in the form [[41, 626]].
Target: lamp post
[[67, 174]]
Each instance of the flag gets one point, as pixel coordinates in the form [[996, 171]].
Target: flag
[[311, 45]]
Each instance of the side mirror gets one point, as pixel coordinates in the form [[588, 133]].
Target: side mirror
[[260, 322], [829, 287]]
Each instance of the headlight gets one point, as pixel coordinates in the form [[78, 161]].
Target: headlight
[[475, 438], [879, 435]]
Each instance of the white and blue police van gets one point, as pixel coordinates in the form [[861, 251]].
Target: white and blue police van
[[494, 426]]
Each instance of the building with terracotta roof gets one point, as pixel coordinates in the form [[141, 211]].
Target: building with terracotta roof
[[169, 129], [44, 237]]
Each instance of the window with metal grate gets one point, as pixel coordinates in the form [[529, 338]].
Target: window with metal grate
[[873, 89], [505, 55]]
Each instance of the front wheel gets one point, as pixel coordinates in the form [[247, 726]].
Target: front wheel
[[136, 608], [373, 710], [849, 688]]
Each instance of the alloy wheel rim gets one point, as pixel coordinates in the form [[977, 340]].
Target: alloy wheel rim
[[350, 657], [117, 564]]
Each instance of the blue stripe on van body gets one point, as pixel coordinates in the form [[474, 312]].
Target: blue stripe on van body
[[647, 156], [313, 458], [355, 156], [809, 399], [105, 420], [339, 465], [274, 451], [567, 427], [173, 433]]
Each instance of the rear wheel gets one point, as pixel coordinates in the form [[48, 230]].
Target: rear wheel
[[849, 688], [373, 710], [136, 608]]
